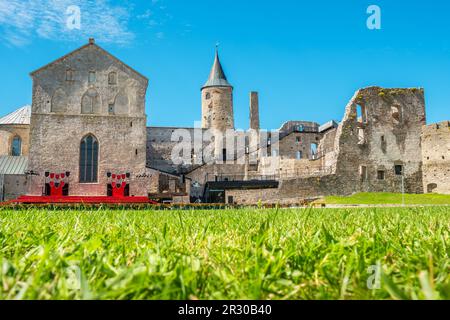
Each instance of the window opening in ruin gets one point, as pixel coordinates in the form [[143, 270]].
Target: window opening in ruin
[[380, 175], [314, 147], [298, 155], [398, 168], [111, 108], [16, 147], [396, 114], [208, 96], [382, 138], [298, 140], [224, 155], [361, 114]]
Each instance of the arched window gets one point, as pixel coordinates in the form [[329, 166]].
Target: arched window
[[16, 147], [90, 103], [88, 159]]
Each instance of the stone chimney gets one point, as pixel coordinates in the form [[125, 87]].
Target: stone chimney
[[254, 111]]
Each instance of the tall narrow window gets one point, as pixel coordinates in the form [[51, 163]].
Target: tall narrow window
[[298, 155], [361, 115], [16, 147], [88, 159], [314, 147]]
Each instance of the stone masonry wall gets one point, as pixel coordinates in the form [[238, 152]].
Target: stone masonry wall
[[118, 120], [217, 108], [436, 157]]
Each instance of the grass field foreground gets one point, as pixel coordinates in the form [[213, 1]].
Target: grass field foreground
[[388, 198], [230, 254]]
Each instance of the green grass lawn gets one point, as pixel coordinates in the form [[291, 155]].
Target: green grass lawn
[[230, 254], [390, 198]]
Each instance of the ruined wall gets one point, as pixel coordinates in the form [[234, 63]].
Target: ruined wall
[[436, 158], [385, 134], [116, 118], [7, 134], [297, 141]]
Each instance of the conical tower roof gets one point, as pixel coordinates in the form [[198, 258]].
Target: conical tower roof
[[217, 77]]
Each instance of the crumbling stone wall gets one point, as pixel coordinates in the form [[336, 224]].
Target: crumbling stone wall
[[385, 135], [297, 141], [436, 158], [391, 122]]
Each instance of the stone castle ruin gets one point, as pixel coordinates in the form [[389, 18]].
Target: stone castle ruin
[[87, 127]]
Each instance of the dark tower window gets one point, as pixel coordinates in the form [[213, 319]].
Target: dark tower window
[[16, 147], [88, 159], [208, 96], [224, 155]]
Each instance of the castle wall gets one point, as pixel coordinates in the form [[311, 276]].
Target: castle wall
[[436, 158], [385, 135], [115, 116]]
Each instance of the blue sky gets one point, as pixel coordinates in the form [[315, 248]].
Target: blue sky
[[306, 58]]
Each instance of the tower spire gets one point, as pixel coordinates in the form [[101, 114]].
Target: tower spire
[[217, 77]]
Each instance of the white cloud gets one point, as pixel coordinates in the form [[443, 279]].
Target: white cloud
[[21, 21]]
